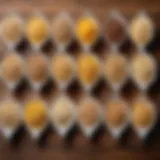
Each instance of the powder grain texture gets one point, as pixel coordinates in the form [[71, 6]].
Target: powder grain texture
[[115, 113], [62, 29], [35, 114], [62, 68], [141, 30], [10, 115], [12, 68], [88, 69], [12, 29], [37, 30], [62, 112], [37, 68], [115, 68], [87, 30], [142, 113], [88, 113]]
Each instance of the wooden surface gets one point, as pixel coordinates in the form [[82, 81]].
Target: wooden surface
[[77, 147]]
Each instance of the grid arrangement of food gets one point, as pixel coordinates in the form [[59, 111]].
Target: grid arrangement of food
[[86, 67]]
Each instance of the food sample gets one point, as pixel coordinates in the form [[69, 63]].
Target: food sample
[[35, 114], [10, 114], [143, 69], [12, 68], [62, 112], [37, 30], [115, 68], [116, 113], [11, 29], [142, 113], [62, 68], [89, 112], [62, 29], [37, 68], [87, 30], [141, 30], [115, 28], [88, 69]]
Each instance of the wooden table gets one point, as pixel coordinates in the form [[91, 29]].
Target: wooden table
[[78, 147]]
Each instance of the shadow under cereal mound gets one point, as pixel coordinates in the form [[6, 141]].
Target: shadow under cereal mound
[[74, 47], [18, 136], [23, 47], [49, 88], [42, 141], [75, 90], [153, 135], [22, 88], [48, 47], [101, 90], [154, 45], [71, 134], [155, 87], [127, 47], [129, 90], [97, 134], [124, 138], [101, 45]]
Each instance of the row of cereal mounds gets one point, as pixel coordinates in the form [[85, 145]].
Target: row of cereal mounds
[[87, 69], [87, 30], [88, 113]]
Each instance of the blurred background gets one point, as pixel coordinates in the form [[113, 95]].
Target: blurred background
[[80, 148]]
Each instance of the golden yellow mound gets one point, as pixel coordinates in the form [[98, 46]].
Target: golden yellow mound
[[87, 30], [37, 68], [12, 68], [9, 114], [62, 29], [11, 29], [142, 114], [115, 68], [141, 30], [61, 112], [37, 30], [35, 114], [88, 69], [143, 68], [115, 113], [62, 68], [88, 113]]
